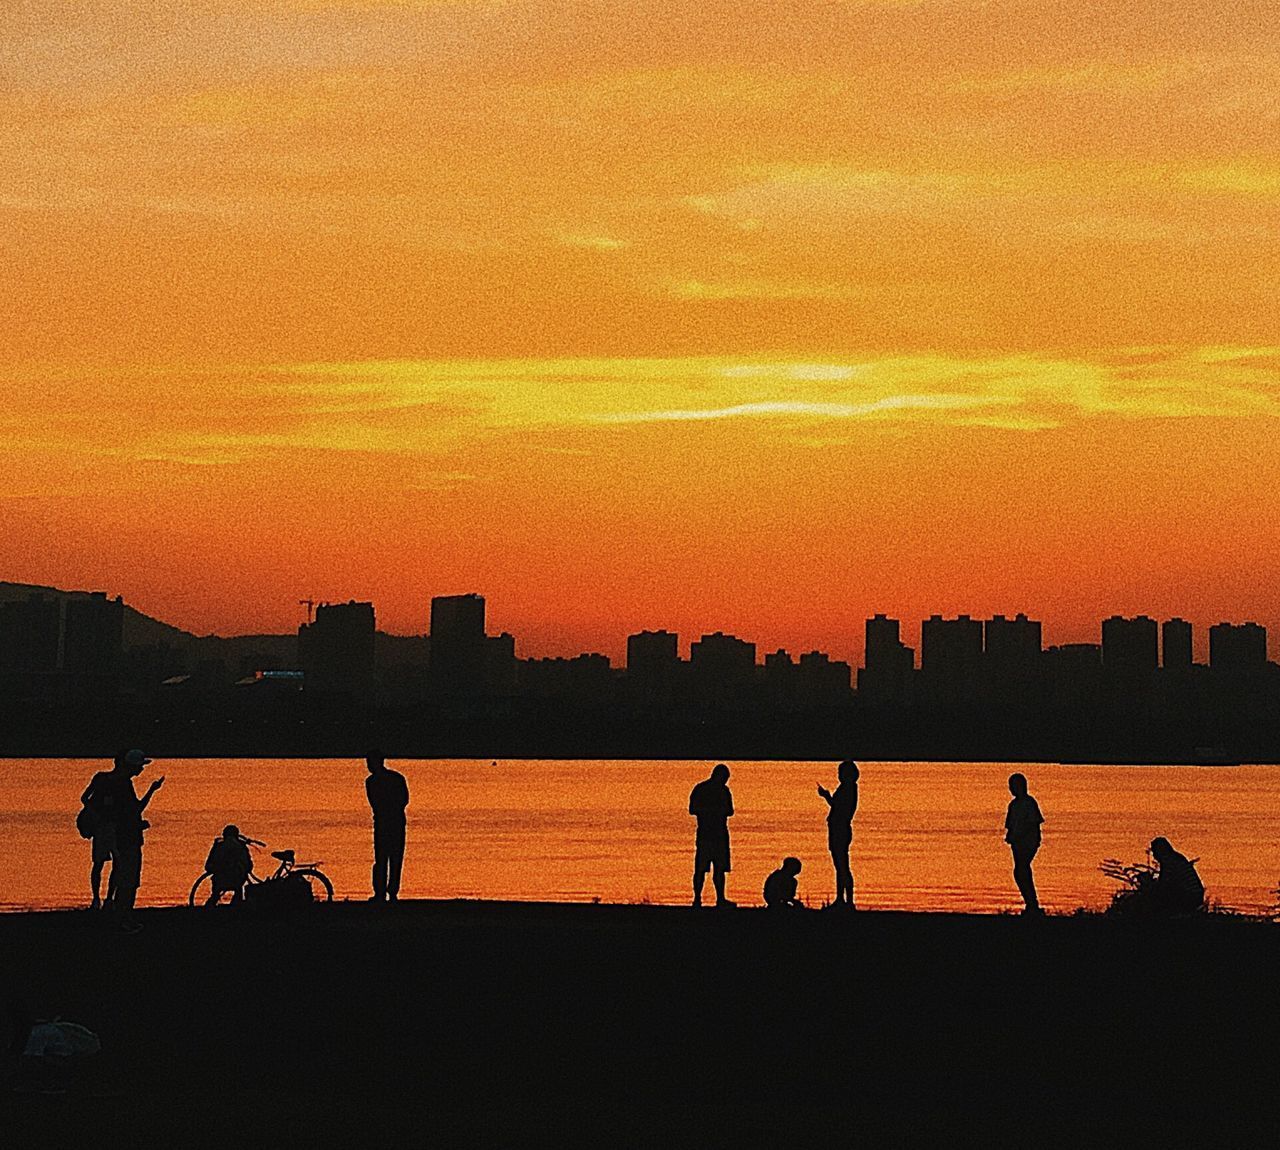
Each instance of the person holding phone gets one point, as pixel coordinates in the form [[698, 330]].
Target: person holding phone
[[841, 807]]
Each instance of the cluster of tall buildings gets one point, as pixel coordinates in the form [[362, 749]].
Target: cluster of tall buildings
[[960, 659]]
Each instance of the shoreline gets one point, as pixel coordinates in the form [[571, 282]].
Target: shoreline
[[664, 758]]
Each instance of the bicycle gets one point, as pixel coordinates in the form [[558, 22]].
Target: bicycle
[[288, 868]]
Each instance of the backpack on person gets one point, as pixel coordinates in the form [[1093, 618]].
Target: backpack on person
[[87, 822]]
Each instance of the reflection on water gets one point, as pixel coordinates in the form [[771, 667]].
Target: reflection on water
[[927, 835]]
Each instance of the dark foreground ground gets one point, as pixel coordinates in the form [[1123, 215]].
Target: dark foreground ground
[[455, 1024]]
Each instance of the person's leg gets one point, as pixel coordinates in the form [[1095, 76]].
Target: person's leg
[[126, 873], [215, 895], [1022, 875], [699, 880], [95, 883], [380, 861], [395, 864], [111, 882], [717, 880]]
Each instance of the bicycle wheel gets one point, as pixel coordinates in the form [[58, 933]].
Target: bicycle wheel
[[200, 889], [322, 879]]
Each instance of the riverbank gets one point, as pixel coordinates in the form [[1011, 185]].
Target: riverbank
[[503, 1024]]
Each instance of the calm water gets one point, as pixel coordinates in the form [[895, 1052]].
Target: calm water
[[927, 835]]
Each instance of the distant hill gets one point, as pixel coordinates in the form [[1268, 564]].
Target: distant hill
[[139, 630], [241, 653]]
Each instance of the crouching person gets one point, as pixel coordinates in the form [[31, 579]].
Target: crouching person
[[780, 887], [229, 864]]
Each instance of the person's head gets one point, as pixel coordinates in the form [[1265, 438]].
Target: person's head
[[1161, 848], [132, 762], [1018, 784], [720, 773], [376, 763], [231, 832], [791, 866], [847, 772]]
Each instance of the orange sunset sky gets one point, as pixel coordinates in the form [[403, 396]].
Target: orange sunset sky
[[753, 316]]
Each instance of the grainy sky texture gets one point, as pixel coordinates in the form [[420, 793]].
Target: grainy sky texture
[[754, 316]]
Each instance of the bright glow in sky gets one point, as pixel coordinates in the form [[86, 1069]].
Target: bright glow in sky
[[757, 317]]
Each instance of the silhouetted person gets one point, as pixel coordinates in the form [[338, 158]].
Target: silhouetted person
[[841, 808], [229, 864], [712, 805], [1022, 833], [1177, 888], [388, 797], [780, 887], [126, 812], [99, 800]]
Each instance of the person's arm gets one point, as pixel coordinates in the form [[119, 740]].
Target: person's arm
[[404, 792], [728, 804], [90, 792], [151, 790], [826, 794]]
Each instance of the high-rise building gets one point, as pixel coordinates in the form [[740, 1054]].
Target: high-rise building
[[458, 648], [651, 655], [721, 665], [950, 648], [653, 665], [457, 619], [883, 642], [500, 676], [1011, 648], [888, 663], [337, 649], [93, 635], [1074, 673], [1130, 646], [1237, 648], [1175, 642], [822, 681], [585, 678], [29, 635]]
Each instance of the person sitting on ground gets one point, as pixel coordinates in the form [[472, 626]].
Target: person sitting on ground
[[1177, 888], [780, 887], [229, 863]]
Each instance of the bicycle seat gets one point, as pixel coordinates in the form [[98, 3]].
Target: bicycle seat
[[283, 856]]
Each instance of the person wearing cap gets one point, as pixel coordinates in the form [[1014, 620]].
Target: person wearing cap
[[127, 810]]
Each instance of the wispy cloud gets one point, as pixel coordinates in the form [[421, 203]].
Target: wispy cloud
[[815, 410]]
